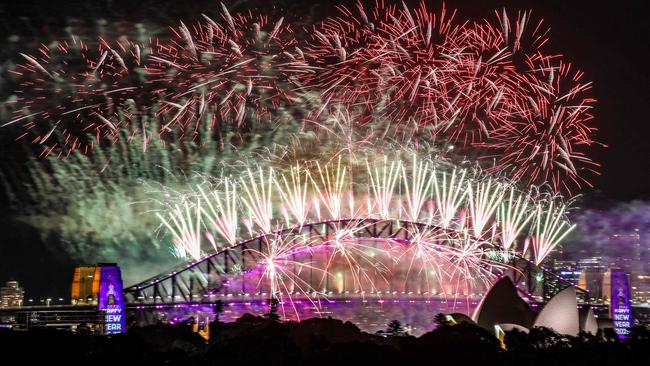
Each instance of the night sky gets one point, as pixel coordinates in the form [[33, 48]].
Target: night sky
[[609, 41]]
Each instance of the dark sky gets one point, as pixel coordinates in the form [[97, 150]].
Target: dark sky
[[609, 41]]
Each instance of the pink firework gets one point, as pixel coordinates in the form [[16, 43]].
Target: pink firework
[[488, 85], [242, 68], [551, 140], [389, 61], [72, 94]]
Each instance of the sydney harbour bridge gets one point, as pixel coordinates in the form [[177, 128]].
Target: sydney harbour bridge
[[368, 271]]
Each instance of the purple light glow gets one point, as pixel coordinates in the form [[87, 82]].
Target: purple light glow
[[111, 299], [370, 315], [620, 309]]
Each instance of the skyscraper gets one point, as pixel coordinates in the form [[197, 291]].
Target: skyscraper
[[11, 295]]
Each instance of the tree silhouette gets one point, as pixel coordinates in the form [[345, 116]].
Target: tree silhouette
[[273, 310], [639, 333], [83, 328], [610, 335], [441, 320], [395, 329]]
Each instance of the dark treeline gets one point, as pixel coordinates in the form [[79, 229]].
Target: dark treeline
[[262, 341]]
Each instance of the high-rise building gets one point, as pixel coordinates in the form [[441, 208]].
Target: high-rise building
[[591, 276], [11, 295], [640, 287], [567, 270]]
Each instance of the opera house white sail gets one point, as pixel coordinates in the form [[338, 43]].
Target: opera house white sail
[[503, 308]]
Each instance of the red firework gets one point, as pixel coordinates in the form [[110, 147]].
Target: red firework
[[489, 86], [390, 62], [460, 81], [242, 70], [549, 143], [73, 95], [235, 73]]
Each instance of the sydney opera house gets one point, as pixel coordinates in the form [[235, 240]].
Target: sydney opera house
[[502, 309]]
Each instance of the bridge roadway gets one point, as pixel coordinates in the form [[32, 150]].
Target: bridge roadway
[[198, 281]]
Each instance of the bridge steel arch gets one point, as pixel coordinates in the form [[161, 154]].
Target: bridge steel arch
[[197, 282]]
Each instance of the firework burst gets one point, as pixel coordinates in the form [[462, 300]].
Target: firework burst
[[75, 94], [242, 67], [449, 249], [365, 78], [490, 87]]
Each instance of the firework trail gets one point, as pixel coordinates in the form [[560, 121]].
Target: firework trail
[[475, 218], [490, 87], [364, 79], [84, 91]]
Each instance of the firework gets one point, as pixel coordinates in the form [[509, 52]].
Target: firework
[[242, 66], [483, 200], [330, 188], [281, 273], [451, 252], [550, 229], [417, 188], [258, 196], [294, 194], [387, 61], [382, 183], [549, 142], [363, 90], [75, 93], [489, 86], [185, 224], [448, 195], [513, 217], [223, 214]]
